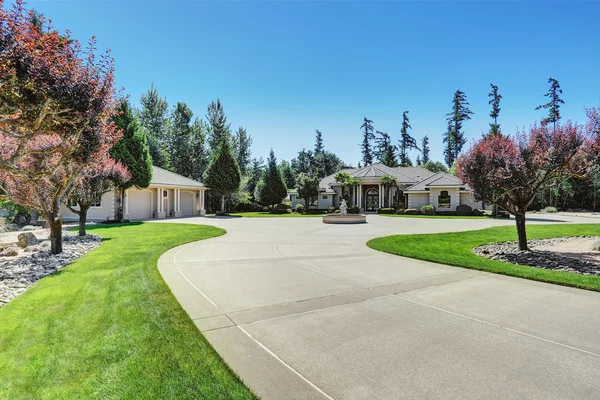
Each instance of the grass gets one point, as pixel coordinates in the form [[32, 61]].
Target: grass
[[261, 214], [439, 216], [107, 326], [455, 249]]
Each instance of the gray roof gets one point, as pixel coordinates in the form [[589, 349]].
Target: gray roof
[[440, 179], [404, 175], [167, 178]]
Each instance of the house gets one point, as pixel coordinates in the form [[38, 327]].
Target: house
[[169, 195], [416, 187]]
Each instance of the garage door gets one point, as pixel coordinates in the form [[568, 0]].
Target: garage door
[[139, 204], [188, 201]]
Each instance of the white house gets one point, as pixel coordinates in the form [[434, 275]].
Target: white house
[[169, 195], [416, 187]]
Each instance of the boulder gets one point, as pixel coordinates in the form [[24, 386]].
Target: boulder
[[8, 250], [27, 239]]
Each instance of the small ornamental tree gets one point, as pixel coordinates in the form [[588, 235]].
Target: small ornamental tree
[[388, 182], [223, 175], [343, 178], [308, 189], [273, 190], [92, 183], [510, 171], [55, 101]]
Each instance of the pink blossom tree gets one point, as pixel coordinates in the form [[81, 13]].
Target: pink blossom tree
[[509, 171], [55, 103]]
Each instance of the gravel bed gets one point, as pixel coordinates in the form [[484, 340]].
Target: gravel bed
[[18, 274], [545, 254]]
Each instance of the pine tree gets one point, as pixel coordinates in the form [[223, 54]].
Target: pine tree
[[199, 156], [385, 152], [242, 149], [455, 137], [425, 149], [303, 164], [273, 189], [256, 172], [288, 174], [180, 139], [219, 128], [407, 142], [223, 174], [553, 105], [495, 98], [153, 117], [368, 136], [318, 142], [419, 162]]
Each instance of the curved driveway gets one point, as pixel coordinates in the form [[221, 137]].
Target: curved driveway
[[304, 310]]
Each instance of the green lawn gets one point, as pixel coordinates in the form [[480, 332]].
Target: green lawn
[[433, 216], [455, 249], [260, 214], [107, 326]]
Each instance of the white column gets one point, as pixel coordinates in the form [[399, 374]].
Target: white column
[[158, 198], [126, 202], [178, 200], [380, 195], [360, 197]]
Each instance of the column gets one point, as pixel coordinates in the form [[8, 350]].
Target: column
[[360, 197], [126, 202], [380, 195], [158, 202]]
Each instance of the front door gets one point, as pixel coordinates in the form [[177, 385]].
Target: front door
[[372, 200]]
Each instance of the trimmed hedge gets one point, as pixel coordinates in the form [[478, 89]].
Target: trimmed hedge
[[353, 210], [464, 210], [411, 211], [428, 210], [385, 210]]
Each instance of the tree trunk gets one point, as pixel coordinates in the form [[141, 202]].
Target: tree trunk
[[55, 235], [521, 232], [82, 218], [223, 204]]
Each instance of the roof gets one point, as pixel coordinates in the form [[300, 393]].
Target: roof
[[162, 177], [404, 175], [440, 179]]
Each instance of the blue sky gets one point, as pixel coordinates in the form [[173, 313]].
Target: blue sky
[[283, 69]]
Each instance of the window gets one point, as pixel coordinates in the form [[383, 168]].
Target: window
[[324, 197], [444, 200], [165, 193]]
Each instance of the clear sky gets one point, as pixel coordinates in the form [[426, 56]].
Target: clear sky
[[283, 69]]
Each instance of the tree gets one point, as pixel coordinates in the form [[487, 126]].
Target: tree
[[407, 142], [435, 166], [303, 164], [55, 104], [368, 136], [425, 150], [273, 189], [219, 128], [197, 151], [181, 135], [132, 151], [510, 171], [223, 175], [554, 102], [343, 178], [255, 175], [318, 142], [419, 162], [384, 150], [308, 189], [92, 183], [242, 149], [455, 137], [495, 98], [326, 163], [388, 182], [288, 174], [153, 117]]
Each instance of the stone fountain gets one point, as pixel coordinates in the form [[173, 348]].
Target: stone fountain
[[343, 217]]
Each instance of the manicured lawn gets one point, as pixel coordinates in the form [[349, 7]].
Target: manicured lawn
[[455, 249], [107, 326], [259, 214], [433, 216]]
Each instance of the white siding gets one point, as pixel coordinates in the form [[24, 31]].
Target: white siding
[[140, 204], [187, 203], [105, 212], [467, 198], [324, 201], [418, 200]]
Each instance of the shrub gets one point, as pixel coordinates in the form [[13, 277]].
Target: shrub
[[428, 210], [337, 212], [353, 210], [299, 208], [280, 209], [550, 210], [386, 210], [331, 210], [477, 213], [411, 211], [400, 211], [464, 210]]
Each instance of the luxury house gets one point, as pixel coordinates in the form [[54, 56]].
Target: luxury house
[[169, 195], [416, 187]]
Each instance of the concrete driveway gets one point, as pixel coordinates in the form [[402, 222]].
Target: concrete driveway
[[304, 310]]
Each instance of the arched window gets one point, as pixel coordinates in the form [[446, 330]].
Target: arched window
[[444, 200]]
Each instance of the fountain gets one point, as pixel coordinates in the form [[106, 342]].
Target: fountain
[[343, 217]]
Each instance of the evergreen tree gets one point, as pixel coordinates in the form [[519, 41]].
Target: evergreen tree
[[273, 189], [223, 174], [419, 162], [219, 128], [180, 138], [242, 149], [256, 172], [199, 156], [384, 150], [318, 142], [368, 136], [407, 142], [308, 189], [455, 137], [326, 163], [495, 98], [554, 102], [153, 117], [303, 164], [425, 150], [288, 174]]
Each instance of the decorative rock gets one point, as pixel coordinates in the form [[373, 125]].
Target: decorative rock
[[8, 250], [29, 228], [26, 239]]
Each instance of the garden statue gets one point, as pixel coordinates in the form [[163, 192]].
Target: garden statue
[[343, 208]]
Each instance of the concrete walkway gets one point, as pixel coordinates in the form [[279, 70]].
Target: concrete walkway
[[303, 310]]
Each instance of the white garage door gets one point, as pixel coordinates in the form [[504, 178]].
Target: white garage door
[[188, 201], [139, 204]]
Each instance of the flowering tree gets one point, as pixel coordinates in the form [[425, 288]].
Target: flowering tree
[[94, 181], [55, 101], [509, 171]]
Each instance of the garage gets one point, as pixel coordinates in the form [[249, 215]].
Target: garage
[[187, 202], [139, 204]]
